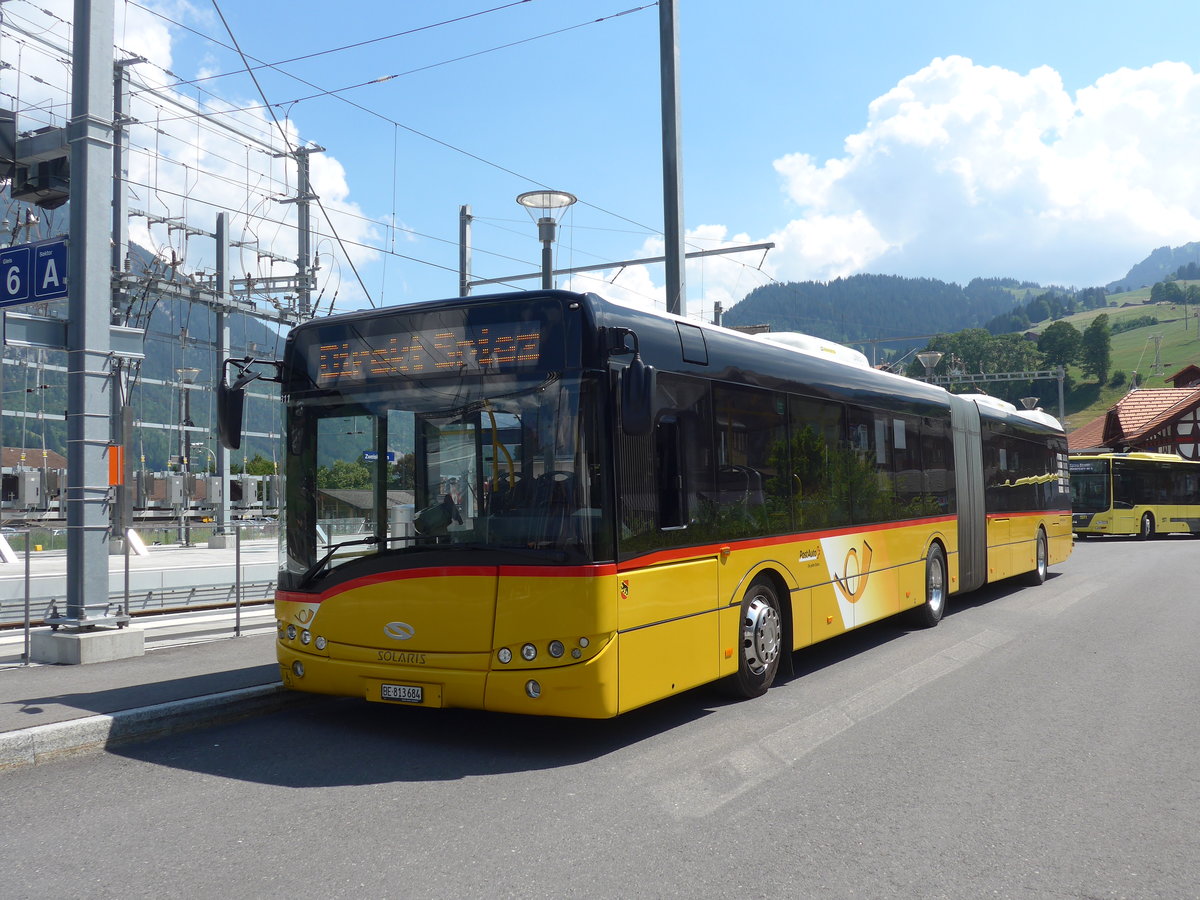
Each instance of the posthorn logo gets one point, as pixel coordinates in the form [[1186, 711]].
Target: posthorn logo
[[398, 631]]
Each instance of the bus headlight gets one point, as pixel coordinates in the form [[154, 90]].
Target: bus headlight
[[505, 655], [320, 643], [298, 669], [306, 637], [533, 689], [529, 653], [291, 632], [556, 649]]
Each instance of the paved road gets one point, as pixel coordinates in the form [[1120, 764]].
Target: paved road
[[1040, 743]]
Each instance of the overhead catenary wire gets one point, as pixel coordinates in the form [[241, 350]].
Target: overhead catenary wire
[[292, 151], [214, 121], [417, 132], [354, 46]]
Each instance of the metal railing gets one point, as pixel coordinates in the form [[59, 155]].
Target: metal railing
[[29, 610]]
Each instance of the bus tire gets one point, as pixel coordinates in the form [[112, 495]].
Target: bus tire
[[930, 612], [1146, 527], [760, 639], [1041, 566]]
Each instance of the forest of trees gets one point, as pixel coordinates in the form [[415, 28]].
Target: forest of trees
[[1054, 304], [867, 307], [978, 351]]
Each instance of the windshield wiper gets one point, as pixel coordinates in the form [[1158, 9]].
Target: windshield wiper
[[319, 566]]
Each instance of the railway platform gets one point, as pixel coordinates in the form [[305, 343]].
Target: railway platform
[[201, 666]]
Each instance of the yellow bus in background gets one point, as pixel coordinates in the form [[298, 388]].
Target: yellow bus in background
[[549, 503], [1141, 494]]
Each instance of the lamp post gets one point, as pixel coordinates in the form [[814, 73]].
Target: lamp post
[[200, 445], [929, 359], [547, 202], [187, 377]]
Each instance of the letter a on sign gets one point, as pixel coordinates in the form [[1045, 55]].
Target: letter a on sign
[[50, 280]]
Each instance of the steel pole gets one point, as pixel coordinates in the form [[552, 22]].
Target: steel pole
[[672, 161], [89, 425], [464, 251]]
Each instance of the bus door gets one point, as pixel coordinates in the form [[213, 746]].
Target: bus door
[[667, 591], [968, 476]]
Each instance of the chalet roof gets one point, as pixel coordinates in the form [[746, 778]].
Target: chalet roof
[[1188, 376], [1087, 437], [1145, 410], [364, 499], [1186, 404]]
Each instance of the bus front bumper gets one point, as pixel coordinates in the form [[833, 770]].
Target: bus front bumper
[[586, 689]]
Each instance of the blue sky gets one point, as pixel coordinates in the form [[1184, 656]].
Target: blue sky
[[1050, 141]]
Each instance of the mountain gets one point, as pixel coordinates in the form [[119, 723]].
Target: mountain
[[1157, 266], [877, 308]]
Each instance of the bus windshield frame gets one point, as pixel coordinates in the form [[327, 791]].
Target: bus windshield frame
[[395, 456]]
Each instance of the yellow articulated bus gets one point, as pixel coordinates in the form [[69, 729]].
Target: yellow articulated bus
[[1141, 494], [552, 504]]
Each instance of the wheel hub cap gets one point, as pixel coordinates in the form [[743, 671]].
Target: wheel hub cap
[[760, 635]]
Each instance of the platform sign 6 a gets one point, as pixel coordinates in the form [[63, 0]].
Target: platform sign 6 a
[[31, 273]]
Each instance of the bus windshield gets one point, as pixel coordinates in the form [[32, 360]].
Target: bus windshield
[[1089, 486], [507, 463]]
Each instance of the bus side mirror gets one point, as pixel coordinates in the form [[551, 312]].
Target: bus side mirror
[[231, 398], [637, 397], [230, 403]]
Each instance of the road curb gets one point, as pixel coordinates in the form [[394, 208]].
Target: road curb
[[46, 743]]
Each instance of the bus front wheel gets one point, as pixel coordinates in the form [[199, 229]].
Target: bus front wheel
[[930, 612], [1146, 529], [760, 637]]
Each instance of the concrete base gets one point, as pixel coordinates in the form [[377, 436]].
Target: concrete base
[[71, 648], [219, 542]]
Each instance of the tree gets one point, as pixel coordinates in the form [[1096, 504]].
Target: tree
[[1097, 348], [1061, 343], [258, 465], [1092, 298], [1040, 310], [344, 475]]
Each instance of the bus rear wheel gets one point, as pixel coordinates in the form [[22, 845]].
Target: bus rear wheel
[[1041, 567], [1146, 528], [760, 637], [930, 612]]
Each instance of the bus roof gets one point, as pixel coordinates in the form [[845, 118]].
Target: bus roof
[[1147, 455]]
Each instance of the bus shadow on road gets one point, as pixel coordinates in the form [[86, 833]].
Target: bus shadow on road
[[345, 741], [332, 742]]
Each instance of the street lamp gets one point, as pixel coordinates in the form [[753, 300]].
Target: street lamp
[[200, 445], [929, 359], [546, 202]]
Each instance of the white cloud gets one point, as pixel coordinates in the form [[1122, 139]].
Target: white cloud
[[723, 279], [966, 170]]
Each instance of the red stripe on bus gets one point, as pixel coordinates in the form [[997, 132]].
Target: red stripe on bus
[[694, 552], [450, 572]]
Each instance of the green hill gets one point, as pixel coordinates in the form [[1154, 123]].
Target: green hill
[[864, 310], [1133, 350]]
